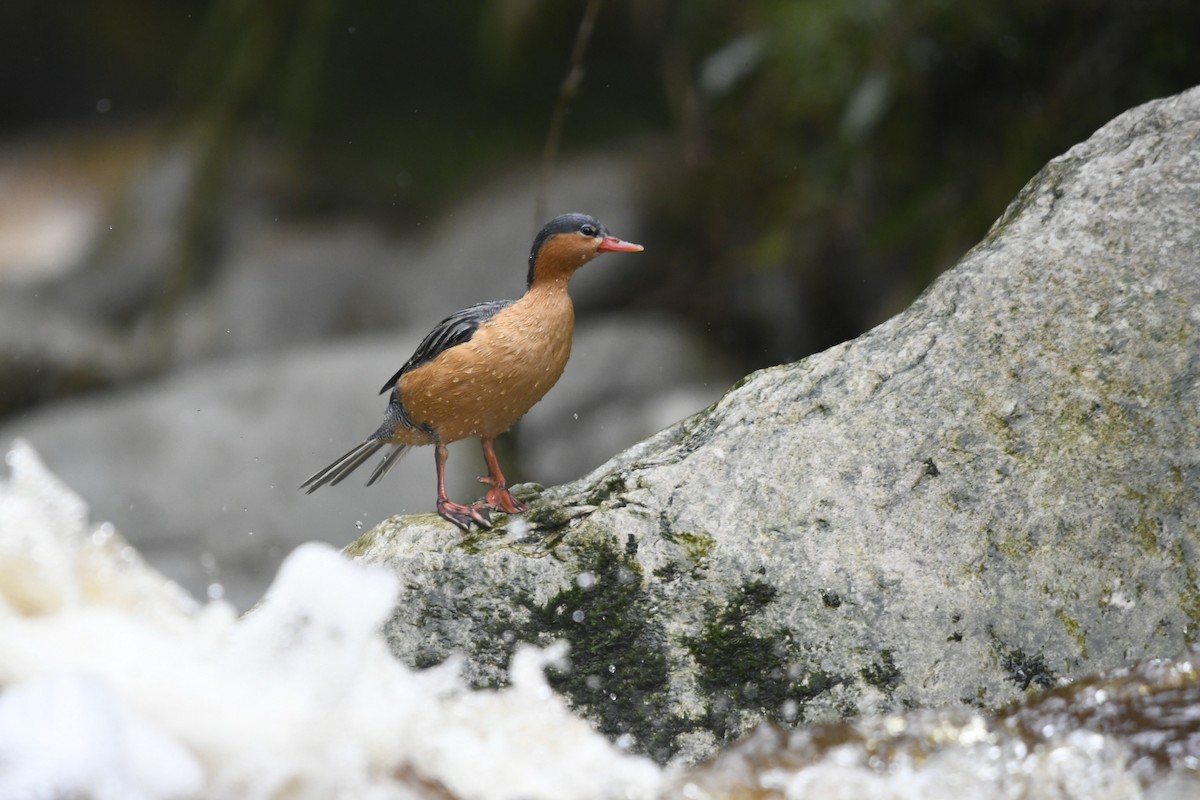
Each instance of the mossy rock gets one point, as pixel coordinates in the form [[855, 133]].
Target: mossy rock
[[995, 490]]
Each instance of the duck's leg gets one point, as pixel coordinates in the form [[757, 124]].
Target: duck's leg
[[498, 497], [460, 515]]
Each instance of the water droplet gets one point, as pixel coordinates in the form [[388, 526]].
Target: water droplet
[[103, 533], [215, 591], [578, 615], [518, 528], [585, 580], [358, 523]]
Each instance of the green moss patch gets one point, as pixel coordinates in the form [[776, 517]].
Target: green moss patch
[[619, 673], [747, 674]]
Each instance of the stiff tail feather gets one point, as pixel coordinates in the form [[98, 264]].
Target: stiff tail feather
[[336, 472], [386, 463]]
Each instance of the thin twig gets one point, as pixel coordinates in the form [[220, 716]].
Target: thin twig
[[566, 95]]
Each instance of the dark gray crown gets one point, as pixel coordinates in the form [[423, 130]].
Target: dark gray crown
[[565, 223]]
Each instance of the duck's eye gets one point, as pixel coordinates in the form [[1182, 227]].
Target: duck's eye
[[588, 230]]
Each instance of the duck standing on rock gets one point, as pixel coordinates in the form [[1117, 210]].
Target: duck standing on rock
[[480, 369]]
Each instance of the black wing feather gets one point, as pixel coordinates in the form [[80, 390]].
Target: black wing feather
[[455, 329]]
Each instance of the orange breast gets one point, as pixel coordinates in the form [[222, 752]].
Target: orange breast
[[483, 386]]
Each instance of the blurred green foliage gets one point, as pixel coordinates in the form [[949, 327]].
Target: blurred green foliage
[[841, 153], [818, 161]]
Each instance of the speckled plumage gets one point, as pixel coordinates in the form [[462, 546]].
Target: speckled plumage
[[483, 386], [481, 369]]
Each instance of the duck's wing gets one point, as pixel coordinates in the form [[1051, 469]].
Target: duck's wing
[[455, 329]]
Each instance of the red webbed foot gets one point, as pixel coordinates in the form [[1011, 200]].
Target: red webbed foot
[[499, 498], [463, 516]]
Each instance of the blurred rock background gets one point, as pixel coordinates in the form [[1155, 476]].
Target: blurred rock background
[[223, 224]]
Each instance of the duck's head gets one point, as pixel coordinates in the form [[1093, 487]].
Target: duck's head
[[567, 243]]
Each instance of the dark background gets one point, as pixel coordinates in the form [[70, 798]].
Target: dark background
[[815, 164]]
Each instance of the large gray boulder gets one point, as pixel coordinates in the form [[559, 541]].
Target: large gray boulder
[[994, 490]]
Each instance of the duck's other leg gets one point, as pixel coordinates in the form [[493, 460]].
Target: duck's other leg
[[498, 497], [460, 515]]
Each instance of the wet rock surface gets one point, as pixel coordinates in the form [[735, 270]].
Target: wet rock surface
[[993, 491]]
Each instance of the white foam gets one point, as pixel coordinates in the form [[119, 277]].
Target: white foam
[[117, 683]]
